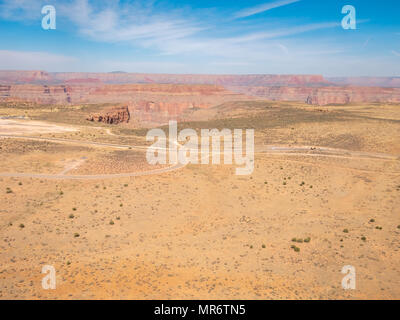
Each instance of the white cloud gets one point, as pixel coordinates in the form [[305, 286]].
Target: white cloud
[[29, 60], [186, 40], [396, 53], [262, 8], [20, 10], [116, 22]]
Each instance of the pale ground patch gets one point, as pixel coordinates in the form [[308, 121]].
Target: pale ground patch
[[8, 126]]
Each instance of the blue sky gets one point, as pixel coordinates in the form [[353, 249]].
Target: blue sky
[[229, 37]]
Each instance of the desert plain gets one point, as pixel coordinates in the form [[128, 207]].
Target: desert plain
[[78, 194]]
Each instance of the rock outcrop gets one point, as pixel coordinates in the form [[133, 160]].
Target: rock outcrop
[[112, 115]]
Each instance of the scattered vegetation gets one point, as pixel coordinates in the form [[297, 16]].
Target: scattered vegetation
[[372, 220], [363, 238], [111, 222], [345, 230], [76, 235], [71, 216], [8, 190], [22, 225], [299, 240], [297, 249]]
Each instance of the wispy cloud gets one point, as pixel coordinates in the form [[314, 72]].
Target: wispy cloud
[[157, 36], [20, 10], [31, 60], [114, 22], [396, 53], [262, 8]]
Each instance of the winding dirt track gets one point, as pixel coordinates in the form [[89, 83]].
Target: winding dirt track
[[264, 150]]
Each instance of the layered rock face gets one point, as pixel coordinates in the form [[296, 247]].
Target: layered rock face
[[150, 103], [324, 95], [388, 82], [14, 77], [222, 80], [344, 95], [37, 93], [112, 115], [17, 76], [100, 93], [160, 96]]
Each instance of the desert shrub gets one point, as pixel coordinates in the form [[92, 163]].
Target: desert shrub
[[296, 249]]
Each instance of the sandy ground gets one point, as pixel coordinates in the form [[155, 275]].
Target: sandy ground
[[31, 127], [203, 232]]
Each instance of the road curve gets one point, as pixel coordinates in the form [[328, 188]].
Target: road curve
[[269, 149]]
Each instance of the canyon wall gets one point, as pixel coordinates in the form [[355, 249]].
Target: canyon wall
[[324, 95], [100, 93], [173, 93], [21, 77], [387, 82], [148, 103]]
